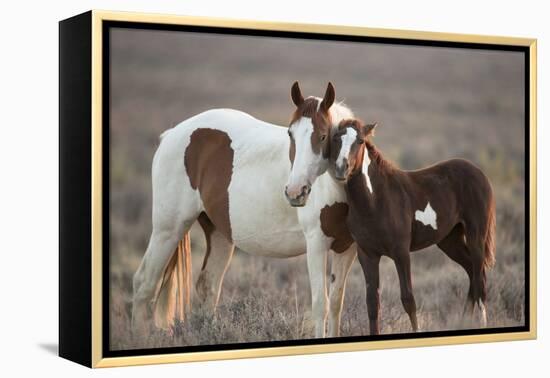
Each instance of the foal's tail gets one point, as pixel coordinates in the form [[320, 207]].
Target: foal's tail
[[490, 242], [174, 300]]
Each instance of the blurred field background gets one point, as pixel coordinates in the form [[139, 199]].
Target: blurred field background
[[431, 104]]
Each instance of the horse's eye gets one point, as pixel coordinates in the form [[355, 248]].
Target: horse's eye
[[360, 141], [323, 137], [289, 133]]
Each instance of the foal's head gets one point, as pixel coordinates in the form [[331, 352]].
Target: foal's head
[[309, 133], [348, 147]]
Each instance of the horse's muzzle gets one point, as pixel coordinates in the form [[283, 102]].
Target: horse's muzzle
[[299, 200]]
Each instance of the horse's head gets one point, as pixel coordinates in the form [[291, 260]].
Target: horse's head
[[309, 133], [348, 147]]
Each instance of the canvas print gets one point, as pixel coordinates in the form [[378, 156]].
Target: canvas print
[[278, 189]]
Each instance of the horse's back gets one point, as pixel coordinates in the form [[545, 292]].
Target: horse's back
[[239, 127], [465, 174], [227, 120], [238, 165], [457, 172]]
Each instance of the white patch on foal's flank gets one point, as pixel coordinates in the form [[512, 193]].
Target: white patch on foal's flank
[[428, 217], [365, 168]]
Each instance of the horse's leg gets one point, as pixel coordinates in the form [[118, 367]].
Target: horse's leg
[[148, 278], [479, 294], [455, 247], [218, 255], [176, 206], [370, 263], [317, 251], [340, 267], [402, 260]]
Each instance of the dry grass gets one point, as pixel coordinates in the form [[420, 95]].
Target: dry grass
[[431, 104]]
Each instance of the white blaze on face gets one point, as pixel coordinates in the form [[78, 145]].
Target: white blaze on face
[[307, 164], [347, 141], [428, 216], [365, 168]]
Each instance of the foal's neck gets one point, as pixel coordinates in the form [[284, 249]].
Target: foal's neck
[[376, 172], [377, 161]]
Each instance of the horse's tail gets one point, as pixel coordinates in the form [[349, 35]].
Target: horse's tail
[[490, 237], [174, 299], [184, 276]]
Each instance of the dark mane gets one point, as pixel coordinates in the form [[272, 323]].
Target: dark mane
[[385, 166]]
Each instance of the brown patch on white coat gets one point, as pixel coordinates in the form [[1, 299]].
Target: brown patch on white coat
[[333, 224], [209, 165]]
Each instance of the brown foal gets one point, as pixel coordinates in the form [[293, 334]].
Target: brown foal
[[393, 212]]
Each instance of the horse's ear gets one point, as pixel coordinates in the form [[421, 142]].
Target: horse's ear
[[296, 94], [328, 100], [369, 129]]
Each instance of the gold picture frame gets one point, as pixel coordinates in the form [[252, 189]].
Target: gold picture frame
[[91, 24]]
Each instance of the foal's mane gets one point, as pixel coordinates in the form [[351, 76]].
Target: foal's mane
[[385, 166]]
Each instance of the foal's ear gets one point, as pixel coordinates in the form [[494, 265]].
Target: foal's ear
[[296, 94], [328, 100], [368, 130]]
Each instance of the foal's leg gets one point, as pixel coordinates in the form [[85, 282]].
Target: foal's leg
[[402, 260], [479, 294], [455, 247], [340, 267], [317, 250], [371, 267]]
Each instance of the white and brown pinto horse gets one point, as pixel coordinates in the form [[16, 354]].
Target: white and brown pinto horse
[[228, 171], [393, 212]]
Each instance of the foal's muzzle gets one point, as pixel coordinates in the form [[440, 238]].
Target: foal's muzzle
[[300, 199], [341, 171]]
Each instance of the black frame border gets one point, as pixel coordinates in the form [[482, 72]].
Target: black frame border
[[75, 194]]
